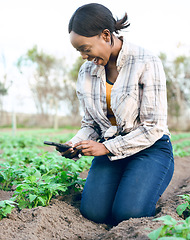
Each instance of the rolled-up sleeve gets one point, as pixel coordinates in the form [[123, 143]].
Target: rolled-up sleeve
[[90, 130]]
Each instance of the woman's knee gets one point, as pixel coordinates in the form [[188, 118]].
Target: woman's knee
[[120, 213], [95, 215]]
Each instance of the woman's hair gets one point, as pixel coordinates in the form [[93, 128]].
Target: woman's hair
[[91, 19]]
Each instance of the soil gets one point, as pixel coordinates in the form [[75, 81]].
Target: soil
[[62, 219]]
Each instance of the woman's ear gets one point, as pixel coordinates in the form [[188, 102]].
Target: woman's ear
[[106, 35]]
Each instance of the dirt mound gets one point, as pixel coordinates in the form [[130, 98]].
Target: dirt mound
[[62, 219]]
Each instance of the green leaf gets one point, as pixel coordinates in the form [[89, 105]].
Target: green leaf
[[7, 210], [187, 220], [167, 220], [32, 197], [185, 196], [188, 236], [22, 204], [172, 238], [181, 208], [43, 201], [62, 188], [155, 234], [31, 178], [2, 204], [37, 174]]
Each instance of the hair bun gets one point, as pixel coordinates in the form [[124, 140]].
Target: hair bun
[[121, 23]]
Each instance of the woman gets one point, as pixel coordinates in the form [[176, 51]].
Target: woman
[[122, 89]]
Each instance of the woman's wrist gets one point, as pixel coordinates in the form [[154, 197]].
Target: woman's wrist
[[107, 151]]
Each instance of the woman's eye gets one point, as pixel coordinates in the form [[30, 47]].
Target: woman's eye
[[87, 50]]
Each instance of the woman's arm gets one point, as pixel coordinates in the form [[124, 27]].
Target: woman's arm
[[152, 114]]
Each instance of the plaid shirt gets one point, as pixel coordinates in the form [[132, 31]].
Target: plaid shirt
[[138, 101]]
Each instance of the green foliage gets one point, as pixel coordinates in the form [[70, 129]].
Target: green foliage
[[42, 61], [179, 148], [37, 190], [10, 142], [6, 207], [34, 174], [3, 90], [171, 229], [177, 73], [182, 147], [179, 136], [75, 69], [184, 206]]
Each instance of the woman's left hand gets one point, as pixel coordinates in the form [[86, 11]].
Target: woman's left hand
[[91, 148]]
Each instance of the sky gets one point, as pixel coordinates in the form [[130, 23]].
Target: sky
[[160, 26]]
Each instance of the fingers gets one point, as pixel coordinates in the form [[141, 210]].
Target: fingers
[[82, 145], [84, 148], [91, 148], [70, 153]]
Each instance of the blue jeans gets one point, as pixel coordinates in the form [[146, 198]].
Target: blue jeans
[[130, 187]]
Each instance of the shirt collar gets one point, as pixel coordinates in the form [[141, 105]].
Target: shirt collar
[[122, 55]]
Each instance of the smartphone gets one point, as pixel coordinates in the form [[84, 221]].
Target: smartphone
[[62, 147]]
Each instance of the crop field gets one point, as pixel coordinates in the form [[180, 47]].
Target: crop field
[[40, 193]]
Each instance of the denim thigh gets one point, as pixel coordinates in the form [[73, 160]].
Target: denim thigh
[[128, 187], [100, 189], [145, 177]]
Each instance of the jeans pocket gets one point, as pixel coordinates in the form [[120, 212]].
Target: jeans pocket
[[164, 145]]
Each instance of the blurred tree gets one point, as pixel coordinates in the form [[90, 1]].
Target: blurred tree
[[3, 90], [51, 84], [3, 82], [75, 69], [71, 88], [178, 84], [47, 84]]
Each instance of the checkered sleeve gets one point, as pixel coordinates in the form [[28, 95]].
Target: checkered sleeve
[[90, 130]]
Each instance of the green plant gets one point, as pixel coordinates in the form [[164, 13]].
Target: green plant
[[14, 174], [36, 191], [6, 207], [35, 175], [171, 229], [184, 206], [182, 148], [7, 175]]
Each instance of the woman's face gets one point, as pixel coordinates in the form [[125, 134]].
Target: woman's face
[[97, 49]]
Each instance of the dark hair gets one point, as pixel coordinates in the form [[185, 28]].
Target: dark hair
[[91, 19]]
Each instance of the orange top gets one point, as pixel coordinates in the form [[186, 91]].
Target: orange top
[[110, 114]]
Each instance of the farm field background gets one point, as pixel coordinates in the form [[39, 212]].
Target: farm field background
[[47, 190]]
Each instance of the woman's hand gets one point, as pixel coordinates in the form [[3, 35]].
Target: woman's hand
[[91, 148], [70, 153]]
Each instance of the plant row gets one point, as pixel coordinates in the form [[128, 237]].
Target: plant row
[[34, 175], [181, 144], [172, 229]]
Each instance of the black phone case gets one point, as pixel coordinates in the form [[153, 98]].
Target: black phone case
[[62, 147]]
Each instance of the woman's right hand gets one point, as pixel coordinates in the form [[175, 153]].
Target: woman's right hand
[[70, 153]]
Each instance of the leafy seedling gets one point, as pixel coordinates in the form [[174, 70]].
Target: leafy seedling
[[6, 207], [172, 229], [184, 206]]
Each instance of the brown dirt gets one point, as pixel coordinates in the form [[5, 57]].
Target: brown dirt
[[62, 219]]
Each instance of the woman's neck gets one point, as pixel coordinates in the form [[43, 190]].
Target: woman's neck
[[110, 68], [115, 50]]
